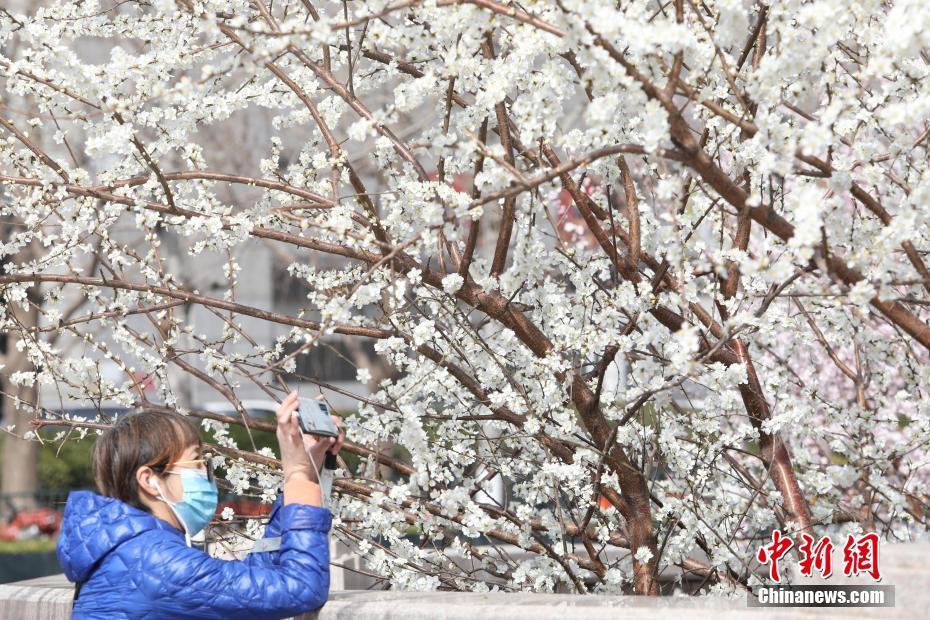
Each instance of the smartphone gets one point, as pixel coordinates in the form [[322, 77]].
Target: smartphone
[[315, 418]]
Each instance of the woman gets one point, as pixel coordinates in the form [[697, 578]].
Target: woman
[[128, 549]]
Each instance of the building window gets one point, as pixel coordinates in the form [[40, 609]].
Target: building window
[[330, 360], [285, 288]]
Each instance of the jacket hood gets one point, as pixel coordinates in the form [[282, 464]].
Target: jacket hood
[[93, 526]]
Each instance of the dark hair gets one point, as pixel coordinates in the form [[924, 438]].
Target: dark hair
[[153, 438]]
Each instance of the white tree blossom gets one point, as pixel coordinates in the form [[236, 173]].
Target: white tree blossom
[[660, 266]]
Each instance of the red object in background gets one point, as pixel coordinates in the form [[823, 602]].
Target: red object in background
[[41, 521], [47, 520], [460, 182], [246, 508], [8, 533], [144, 380]]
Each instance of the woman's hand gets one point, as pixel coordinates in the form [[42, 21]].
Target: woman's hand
[[294, 457], [317, 447]]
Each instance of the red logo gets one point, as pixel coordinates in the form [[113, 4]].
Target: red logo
[[817, 557], [771, 553], [861, 556]]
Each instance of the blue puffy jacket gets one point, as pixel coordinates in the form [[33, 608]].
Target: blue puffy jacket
[[134, 565]]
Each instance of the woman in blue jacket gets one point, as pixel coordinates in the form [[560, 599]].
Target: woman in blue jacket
[[128, 548]]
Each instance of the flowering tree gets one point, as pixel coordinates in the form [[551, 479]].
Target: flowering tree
[[723, 200]]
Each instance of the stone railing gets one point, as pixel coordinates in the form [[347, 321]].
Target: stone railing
[[906, 567]]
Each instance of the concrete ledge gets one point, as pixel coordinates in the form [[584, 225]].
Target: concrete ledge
[[37, 599], [32, 602], [903, 566]]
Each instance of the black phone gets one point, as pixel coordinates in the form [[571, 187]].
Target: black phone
[[315, 418]]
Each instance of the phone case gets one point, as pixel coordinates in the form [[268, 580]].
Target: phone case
[[314, 418]]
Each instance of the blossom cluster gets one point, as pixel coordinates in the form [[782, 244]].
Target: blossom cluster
[[656, 268]]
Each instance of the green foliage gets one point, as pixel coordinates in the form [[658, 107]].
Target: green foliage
[[67, 465], [64, 466], [262, 439], [266, 439], [33, 545]]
